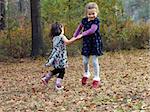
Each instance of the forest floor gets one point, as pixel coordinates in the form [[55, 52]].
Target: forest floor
[[125, 85]]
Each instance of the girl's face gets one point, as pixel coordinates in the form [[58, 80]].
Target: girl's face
[[91, 14]]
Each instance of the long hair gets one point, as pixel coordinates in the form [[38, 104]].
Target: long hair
[[56, 29]]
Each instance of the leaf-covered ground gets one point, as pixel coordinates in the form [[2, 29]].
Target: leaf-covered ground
[[125, 85]]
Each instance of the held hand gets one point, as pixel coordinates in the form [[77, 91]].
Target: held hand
[[79, 36], [73, 39]]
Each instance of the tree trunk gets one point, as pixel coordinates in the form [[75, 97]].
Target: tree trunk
[[2, 14], [20, 5], [37, 41]]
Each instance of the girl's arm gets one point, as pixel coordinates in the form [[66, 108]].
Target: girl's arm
[[90, 31], [78, 30], [51, 58], [49, 62], [67, 41]]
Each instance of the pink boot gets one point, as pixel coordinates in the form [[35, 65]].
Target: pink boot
[[58, 85], [46, 78]]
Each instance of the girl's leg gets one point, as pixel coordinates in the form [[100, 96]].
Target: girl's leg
[[96, 79], [61, 73], [96, 68], [86, 66], [59, 79], [86, 74], [52, 73], [48, 76], [55, 71]]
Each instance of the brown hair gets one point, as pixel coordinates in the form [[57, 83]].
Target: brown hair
[[91, 5], [56, 29]]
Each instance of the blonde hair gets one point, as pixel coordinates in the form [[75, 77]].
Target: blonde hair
[[91, 5]]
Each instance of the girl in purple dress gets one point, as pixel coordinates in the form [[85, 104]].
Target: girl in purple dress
[[92, 42]]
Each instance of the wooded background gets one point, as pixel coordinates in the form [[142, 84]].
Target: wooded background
[[25, 24]]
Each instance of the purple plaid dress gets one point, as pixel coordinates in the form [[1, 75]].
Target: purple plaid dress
[[92, 44]]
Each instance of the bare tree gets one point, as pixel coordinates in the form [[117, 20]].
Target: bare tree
[[2, 14], [37, 41]]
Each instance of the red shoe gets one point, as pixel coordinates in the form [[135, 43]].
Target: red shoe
[[84, 80], [95, 84]]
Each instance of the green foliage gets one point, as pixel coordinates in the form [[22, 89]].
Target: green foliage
[[116, 32], [71, 12], [16, 43], [117, 29]]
